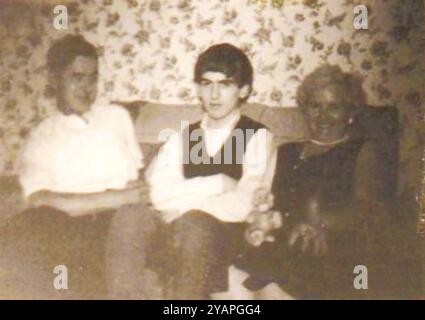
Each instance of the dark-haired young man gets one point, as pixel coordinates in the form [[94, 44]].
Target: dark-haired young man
[[75, 169], [204, 177]]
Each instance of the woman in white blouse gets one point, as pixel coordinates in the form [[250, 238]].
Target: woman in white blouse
[[76, 168]]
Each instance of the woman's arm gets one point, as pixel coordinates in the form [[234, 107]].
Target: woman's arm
[[76, 204], [365, 206], [366, 202]]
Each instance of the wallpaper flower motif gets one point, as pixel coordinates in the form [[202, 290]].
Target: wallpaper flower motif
[[149, 47]]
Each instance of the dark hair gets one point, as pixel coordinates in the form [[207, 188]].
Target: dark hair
[[64, 51], [228, 59], [331, 76]]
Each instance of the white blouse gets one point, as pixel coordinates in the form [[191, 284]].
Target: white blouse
[[93, 152]]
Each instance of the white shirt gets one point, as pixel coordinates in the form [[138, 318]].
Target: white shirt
[[81, 154], [173, 194]]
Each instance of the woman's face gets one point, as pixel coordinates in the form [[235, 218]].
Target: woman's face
[[327, 116], [77, 85]]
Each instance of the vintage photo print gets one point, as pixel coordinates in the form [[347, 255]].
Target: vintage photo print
[[212, 150]]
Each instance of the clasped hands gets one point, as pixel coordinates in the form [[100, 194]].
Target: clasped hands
[[263, 221], [76, 204]]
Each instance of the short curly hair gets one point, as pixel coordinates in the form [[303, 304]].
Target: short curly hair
[[331, 76], [64, 51], [227, 59]]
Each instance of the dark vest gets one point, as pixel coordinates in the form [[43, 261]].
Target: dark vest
[[228, 160]]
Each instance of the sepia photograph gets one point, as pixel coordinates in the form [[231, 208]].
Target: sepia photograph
[[212, 150]]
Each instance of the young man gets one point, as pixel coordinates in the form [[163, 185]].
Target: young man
[[76, 168], [204, 177]]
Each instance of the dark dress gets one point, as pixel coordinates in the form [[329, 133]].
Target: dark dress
[[329, 179], [355, 186], [36, 240]]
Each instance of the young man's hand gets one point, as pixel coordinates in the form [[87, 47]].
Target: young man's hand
[[261, 224], [262, 200]]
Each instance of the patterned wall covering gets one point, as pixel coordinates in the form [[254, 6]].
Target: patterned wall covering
[[149, 48]]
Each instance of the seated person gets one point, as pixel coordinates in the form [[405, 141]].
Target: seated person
[[204, 178], [84, 159], [335, 194], [88, 146]]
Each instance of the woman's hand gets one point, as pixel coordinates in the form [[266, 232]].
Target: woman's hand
[[313, 238], [76, 204], [228, 184], [134, 184]]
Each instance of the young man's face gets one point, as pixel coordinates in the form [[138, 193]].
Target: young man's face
[[219, 94], [77, 87]]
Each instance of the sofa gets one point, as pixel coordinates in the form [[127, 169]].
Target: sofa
[[287, 124], [149, 118], [379, 124]]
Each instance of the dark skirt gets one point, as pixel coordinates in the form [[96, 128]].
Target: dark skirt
[[33, 242], [193, 254], [186, 259]]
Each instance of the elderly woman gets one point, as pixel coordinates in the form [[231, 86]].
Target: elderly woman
[[332, 190]]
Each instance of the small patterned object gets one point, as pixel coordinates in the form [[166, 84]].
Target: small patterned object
[[421, 201], [262, 220], [421, 197], [421, 227]]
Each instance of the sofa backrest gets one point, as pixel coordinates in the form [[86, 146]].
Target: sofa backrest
[[380, 125], [286, 124]]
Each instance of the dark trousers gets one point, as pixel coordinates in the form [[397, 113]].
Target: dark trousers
[[200, 249], [33, 242], [132, 238], [186, 259]]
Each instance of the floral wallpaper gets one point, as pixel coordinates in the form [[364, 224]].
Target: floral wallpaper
[[148, 49]]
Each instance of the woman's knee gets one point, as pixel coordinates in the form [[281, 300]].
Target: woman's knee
[[134, 219]]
